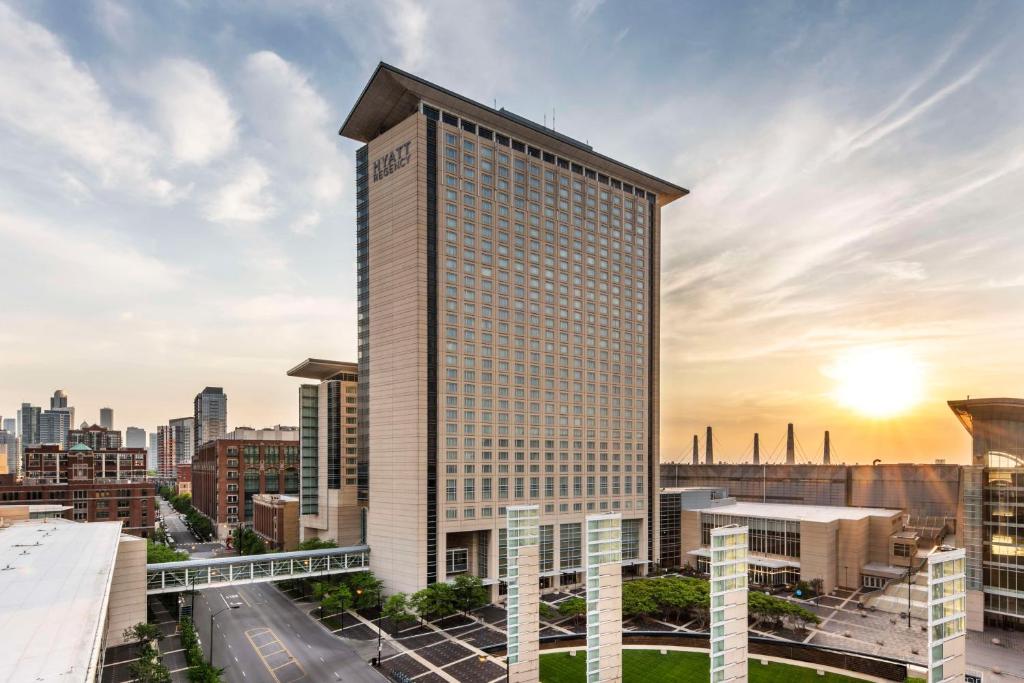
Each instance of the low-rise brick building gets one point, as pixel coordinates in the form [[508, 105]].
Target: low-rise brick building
[[95, 486], [228, 472], [132, 502], [276, 521]]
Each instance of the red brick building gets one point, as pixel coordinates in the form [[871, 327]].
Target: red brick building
[[98, 486], [132, 502], [228, 472], [276, 521], [52, 464]]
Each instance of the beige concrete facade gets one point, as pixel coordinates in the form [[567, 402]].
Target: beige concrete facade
[[816, 542], [604, 598], [529, 295], [526, 667], [947, 615], [127, 603]]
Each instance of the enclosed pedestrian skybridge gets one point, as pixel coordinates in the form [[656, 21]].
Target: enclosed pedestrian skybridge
[[171, 577]]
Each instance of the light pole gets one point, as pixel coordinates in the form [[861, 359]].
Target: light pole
[[380, 613], [212, 615], [483, 658]]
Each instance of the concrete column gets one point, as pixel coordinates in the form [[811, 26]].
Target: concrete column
[[790, 446], [523, 602], [729, 604], [709, 449], [947, 615], [757, 448], [828, 450], [696, 453], [604, 597]]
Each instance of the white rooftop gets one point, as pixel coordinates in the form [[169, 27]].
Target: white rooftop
[[54, 585], [808, 513]]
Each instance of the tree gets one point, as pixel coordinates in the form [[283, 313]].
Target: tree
[[397, 610], [573, 608], [365, 588], [470, 593], [818, 586], [436, 600], [337, 599], [148, 668], [247, 542], [638, 599], [547, 612], [317, 544], [142, 632], [157, 553]]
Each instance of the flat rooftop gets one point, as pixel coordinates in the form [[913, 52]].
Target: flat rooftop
[[391, 95], [803, 513], [318, 368], [54, 586]]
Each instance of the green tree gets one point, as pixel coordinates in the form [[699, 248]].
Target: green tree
[[142, 632], [436, 600], [148, 668], [317, 544], [573, 608], [336, 599], [365, 589], [397, 610], [638, 599], [156, 553], [547, 612], [470, 593], [247, 542]]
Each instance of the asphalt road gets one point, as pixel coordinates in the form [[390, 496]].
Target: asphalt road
[[268, 638], [183, 538]]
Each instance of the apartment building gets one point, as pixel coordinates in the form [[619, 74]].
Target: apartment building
[[210, 418], [227, 473], [96, 437], [276, 521], [508, 283], [333, 494]]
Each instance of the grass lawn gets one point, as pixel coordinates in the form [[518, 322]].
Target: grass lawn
[[651, 665]]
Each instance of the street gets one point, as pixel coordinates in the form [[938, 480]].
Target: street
[[268, 638], [183, 538]]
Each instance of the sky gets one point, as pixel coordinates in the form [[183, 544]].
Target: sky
[[176, 206]]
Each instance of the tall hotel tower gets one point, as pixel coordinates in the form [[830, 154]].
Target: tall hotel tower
[[508, 336]]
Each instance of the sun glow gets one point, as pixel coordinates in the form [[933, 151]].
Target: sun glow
[[878, 382]]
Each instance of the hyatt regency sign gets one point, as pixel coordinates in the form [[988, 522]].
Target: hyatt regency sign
[[391, 162]]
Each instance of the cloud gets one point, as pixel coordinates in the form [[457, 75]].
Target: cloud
[[245, 199], [408, 21], [902, 270], [582, 9], [56, 104], [298, 132], [192, 110], [84, 261]]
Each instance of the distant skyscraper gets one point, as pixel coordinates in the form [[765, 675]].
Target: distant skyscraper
[[107, 418], [54, 426], [11, 425], [9, 448], [29, 417], [59, 400], [211, 416], [152, 459], [183, 435], [165, 466], [135, 437]]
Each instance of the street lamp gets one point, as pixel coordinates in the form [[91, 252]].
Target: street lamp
[[380, 613], [233, 605], [483, 658]]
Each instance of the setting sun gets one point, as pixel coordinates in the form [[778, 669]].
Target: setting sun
[[877, 382]]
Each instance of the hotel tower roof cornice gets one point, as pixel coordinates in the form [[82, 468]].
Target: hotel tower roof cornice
[[392, 95]]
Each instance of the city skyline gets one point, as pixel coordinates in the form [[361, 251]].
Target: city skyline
[[850, 208]]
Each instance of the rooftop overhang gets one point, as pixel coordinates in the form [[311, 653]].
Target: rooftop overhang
[[968, 410], [317, 368], [392, 95]]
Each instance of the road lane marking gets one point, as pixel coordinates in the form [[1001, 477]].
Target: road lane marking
[[262, 633]]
